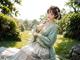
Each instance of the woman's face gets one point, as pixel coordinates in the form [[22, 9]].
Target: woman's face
[[50, 15]]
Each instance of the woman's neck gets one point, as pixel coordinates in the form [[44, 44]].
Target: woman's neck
[[52, 21]]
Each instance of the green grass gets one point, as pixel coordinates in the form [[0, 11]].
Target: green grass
[[18, 44], [63, 45]]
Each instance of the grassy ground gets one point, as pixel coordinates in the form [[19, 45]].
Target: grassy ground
[[18, 44], [62, 45]]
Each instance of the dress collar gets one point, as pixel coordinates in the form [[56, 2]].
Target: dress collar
[[52, 22]]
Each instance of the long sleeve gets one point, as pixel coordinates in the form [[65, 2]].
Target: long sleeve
[[51, 38]]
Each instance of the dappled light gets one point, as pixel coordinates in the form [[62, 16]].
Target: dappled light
[[63, 46], [39, 29]]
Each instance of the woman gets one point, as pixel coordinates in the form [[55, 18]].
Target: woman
[[41, 48]]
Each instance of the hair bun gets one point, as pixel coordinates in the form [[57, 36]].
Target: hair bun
[[56, 11]]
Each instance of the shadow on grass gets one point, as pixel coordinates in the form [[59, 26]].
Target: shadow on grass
[[25, 35], [63, 46], [7, 43]]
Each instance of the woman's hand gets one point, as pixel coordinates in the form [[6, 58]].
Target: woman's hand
[[39, 27], [35, 33]]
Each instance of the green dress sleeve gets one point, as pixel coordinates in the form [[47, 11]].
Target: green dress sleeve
[[50, 38]]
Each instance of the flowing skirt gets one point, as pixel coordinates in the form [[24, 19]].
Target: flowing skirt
[[33, 51]]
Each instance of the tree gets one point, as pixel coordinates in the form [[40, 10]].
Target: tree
[[73, 4], [26, 24], [34, 23], [43, 17], [77, 2], [63, 12], [7, 7]]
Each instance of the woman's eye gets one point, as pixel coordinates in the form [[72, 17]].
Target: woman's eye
[[52, 14]]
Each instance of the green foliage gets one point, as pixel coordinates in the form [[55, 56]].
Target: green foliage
[[9, 29], [8, 7], [69, 25], [63, 24], [43, 17], [26, 24], [72, 26], [63, 46], [74, 5], [29, 25]]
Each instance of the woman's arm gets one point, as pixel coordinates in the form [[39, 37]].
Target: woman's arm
[[50, 39]]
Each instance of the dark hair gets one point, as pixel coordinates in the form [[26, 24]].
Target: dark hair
[[56, 11]]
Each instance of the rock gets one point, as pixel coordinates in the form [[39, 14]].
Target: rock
[[75, 53]]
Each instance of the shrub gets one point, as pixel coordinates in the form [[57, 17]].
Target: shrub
[[9, 29], [62, 24], [72, 26]]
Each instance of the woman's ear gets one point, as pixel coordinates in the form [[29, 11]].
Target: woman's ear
[[55, 16]]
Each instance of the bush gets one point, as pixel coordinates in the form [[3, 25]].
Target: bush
[[9, 29], [72, 26], [62, 24]]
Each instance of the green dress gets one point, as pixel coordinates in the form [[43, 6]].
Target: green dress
[[42, 48], [48, 38]]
